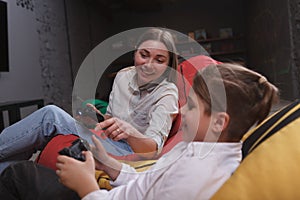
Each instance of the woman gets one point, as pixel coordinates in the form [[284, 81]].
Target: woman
[[137, 120], [147, 108]]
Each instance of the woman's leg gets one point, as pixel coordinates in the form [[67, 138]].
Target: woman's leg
[[20, 140], [117, 148]]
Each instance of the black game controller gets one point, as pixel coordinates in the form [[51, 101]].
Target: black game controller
[[75, 150]]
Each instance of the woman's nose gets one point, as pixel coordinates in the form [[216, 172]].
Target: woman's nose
[[148, 63]]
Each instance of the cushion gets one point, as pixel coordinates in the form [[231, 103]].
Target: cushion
[[271, 170], [186, 72], [270, 126], [48, 155]]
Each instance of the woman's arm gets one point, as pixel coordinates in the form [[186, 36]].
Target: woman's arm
[[161, 117], [117, 129], [150, 137]]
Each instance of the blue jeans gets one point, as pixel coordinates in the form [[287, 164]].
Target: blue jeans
[[20, 140]]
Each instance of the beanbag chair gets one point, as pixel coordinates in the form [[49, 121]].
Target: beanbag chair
[[270, 169]]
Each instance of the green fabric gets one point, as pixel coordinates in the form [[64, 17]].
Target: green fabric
[[99, 104]]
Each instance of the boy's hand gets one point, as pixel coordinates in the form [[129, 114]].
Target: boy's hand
[[77, 175]]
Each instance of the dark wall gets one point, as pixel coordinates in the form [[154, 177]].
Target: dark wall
[[99, 20], [295, 36], [184, 16], [269, 42], [78, 25], [270, 27], [88, 25]]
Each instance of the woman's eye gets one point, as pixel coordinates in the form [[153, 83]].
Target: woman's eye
[[160, 61], [143, 55]]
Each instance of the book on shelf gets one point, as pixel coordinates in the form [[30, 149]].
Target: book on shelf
[[191, 36], [200, 34], [225, 32], [207, 47]]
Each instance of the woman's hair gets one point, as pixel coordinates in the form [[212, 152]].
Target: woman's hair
[[165, 37], [247, 95]]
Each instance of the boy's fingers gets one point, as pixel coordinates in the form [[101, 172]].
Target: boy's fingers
[[88, 155], [58, 165], [97, 143], [61, 158]]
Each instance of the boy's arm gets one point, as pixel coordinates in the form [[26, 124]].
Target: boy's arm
[[105, 162], [111, 166]]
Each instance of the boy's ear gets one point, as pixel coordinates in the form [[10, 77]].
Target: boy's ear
[[220, 121]]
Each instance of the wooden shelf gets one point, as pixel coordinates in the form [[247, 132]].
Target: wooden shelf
[[219, 48], [227, 52], [211, 40], [220, 39]]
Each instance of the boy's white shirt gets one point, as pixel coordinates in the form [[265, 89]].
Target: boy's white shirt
[[189, 169]]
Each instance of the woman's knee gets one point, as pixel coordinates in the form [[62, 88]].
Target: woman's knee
[[53, 110]]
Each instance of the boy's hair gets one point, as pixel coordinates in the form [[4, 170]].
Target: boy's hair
[[248, 95], [165, 37]]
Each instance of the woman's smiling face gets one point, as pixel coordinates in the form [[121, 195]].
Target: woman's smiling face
[[151, 61]]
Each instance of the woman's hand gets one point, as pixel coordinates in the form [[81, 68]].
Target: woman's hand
[[77, 175], [117, 129], [95, 109]]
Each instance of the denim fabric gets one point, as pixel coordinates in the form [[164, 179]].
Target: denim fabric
[[20, 140], [32, 133]]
